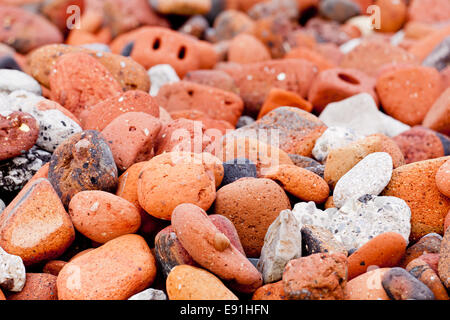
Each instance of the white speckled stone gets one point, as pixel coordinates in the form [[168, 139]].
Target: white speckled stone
[[12, 272], [369, 176], [332, 138], [12, 80], [149, 294], [362, 219], [307, 213], [361, 114], [2, 206], [160, 75], [282, 243], [54, 126], [359, 219]]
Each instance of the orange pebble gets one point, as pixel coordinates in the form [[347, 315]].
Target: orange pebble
[[270, 291], [282, 98], [246, 48], [385, 250], [313, 56]]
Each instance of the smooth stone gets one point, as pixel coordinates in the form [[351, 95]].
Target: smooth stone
[[369, 176], [160, 75], [2, 206], [282, 243], [238, 168], [11, 80], [332, 138], [361, 114], [12, 272], [339, 10], [401, 285], [149, 294]]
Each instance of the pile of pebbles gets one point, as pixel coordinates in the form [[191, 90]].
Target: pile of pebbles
[[224, 149]]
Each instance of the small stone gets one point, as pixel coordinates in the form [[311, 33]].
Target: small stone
[[12, 272], [423, 272], [401, 285], [12, 80], [149, 294], [361, 114], [160, 75], [339, 10], [443, 179], [430, 243], [82, 162], [367, 286], [238, 168], [282, 243], [317, 239], [38, 286], [2, 206], [439, 58], [304, 162], [370, 176], [332, 138], [181, 7], [321, 276]]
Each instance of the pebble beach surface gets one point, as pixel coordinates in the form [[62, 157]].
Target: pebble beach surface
[[224, 150]]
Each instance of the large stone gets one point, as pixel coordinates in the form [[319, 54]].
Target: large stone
[[12, 272], [370, 176], [359, 219], [282, 243], [361, 114]]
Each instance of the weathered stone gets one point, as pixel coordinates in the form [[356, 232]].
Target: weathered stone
[[12, 272], [370, 176], [401, 285], [282, 243], [160, 75], [317, 239]]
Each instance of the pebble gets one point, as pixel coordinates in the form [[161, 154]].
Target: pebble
[[190, 283], [407, 93], [300, 182], [341, 160], [160, 75], [282, 243], [252, 205], [423, 272], [384, 251], [212, 249], [132, 138], [40, 210], [159, 178], [238, 168], [415, 183], [281, 98], [102, 216], [339, 10], [361, 114], [270, 291], [182, 7], [12, 272], [420, 143], [333, 138], [87, 161], [19, 133], [53, 267], [245, 48], [401, 285], [439, 58], [369, 176], [38, 286], [149, 294], [430, 243], [320, 276], [116, 270], [79, 80], [12, 80]]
